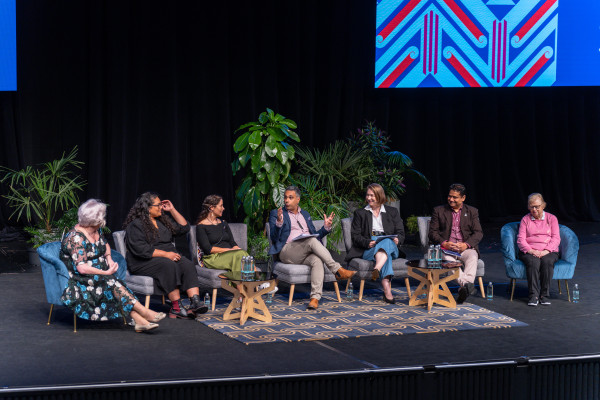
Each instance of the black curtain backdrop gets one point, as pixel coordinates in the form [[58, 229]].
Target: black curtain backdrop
[[151, 92]]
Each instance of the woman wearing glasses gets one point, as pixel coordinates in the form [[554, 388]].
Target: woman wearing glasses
[[93, 291], [538, 240], [151, 252], [368, 226], [215, 238]]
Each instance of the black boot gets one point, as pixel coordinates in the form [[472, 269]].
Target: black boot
[[181, 313], [197, 306]]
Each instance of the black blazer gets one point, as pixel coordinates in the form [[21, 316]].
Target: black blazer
[[362, 226], [441, 225]]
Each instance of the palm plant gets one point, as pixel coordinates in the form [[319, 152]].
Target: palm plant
[[339, 169], [391, 167], [318, 201], [40, 193]]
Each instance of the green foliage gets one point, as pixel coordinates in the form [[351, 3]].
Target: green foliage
[[264, 151], [318, 201], [338, 169], [391, 167], [258, 247], [412, 226], [40, 193]]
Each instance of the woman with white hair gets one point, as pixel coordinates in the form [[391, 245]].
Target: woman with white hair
[[538, 240], [93, 292]]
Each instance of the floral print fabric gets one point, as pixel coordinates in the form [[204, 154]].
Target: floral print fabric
[[93, 297]]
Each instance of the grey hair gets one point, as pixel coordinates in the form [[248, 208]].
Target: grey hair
[[293, 188], [92, 213], [534, 196]]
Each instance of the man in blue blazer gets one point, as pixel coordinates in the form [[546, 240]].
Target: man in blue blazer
[[291, 231]]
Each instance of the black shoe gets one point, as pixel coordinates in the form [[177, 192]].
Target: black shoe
[[533, 301], [463, 293], [197, 306], [181, 313], [545, 301], [392, 301], [472, 289]]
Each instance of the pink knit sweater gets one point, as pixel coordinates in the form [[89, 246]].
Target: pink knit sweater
[[539, 234]]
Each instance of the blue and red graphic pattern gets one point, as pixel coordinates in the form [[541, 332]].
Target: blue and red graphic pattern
[[466, 43]]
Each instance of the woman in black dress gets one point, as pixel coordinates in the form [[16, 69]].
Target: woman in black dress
[[93, 292], [215, 238], [150, 251]]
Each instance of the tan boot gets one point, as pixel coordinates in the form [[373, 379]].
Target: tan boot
[[313, 304], [343, 274]]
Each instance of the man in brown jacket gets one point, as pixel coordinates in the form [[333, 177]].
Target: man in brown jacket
[[455, 226]]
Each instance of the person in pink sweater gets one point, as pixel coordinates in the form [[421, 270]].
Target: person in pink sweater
[[538, 240]]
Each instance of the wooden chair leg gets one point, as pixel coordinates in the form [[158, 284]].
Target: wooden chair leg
[[568, 294], [292, 287], [337, 291], [348, 283], [559, 291], [214, 299], [147, 303], [481, 287], [50, 315], [512, 291], [361, 289], [74, 322], [406, 281], [163, 298]]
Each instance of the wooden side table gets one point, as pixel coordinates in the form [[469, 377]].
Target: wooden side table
[[433, 283], [246, 296]]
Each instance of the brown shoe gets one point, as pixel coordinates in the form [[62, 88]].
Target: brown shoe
[[313, 304], [343, 274]]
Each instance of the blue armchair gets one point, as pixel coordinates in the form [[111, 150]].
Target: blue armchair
[[56, 274], [564, 268]]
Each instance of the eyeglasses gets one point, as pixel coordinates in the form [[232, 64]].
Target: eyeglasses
[[535, 207], [155, 205]]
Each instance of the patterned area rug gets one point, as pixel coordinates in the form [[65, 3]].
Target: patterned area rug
[[370, 317]]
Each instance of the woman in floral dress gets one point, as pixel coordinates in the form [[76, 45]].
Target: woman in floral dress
[[93, 292]]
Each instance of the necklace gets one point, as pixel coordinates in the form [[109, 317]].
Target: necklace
[[215, 222]]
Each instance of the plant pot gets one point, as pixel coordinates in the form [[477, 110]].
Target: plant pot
[[261, 265], [34, 257]]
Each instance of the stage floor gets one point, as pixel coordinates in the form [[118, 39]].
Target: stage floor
[[35, 354]]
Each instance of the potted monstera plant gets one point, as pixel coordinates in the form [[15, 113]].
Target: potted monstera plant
[[42, 194], [264, 152]]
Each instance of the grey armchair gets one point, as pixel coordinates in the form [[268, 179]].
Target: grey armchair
[[137, 283], [210, 277], [295, 274]]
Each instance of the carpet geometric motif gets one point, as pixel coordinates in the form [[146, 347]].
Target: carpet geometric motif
[[370, 317]]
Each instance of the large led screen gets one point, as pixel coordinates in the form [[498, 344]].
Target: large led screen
[[487, 43], [8, 45]]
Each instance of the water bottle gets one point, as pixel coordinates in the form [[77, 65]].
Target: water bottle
[[207, 300], [430, 255], [438, 256], [350, 292], [243, 267], [490, 291], [576, 294], [269, 298], [251, 269]]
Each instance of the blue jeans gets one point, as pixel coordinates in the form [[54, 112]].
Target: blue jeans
[[390, 249]]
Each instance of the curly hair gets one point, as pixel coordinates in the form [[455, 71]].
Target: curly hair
[[209, 202], [140, 210]]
